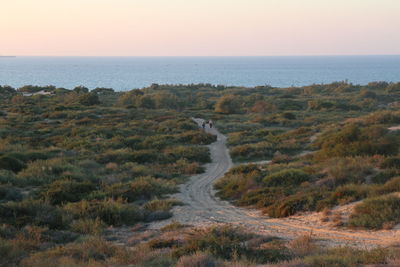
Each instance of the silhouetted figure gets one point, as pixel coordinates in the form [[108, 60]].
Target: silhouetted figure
[[210, 123], [203, 125]]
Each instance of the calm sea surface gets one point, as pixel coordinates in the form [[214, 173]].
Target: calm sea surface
[[124, 73]]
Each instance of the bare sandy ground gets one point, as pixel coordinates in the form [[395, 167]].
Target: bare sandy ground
[[394, 128], [202, 208]]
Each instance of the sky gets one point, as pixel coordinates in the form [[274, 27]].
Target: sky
[[199, 27]]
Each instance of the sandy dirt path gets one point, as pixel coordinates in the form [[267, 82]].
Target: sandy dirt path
[[202, 208]]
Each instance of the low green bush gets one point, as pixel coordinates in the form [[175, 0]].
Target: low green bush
[[11, 253], [349, 193], [384, 176], [263, 150], [63, 191], [42, 172], [301, 201], [347, 170], [112, 212], [199, 259], [238, 181], [354, 140], [140, 189], [376, 213], [89, 99], [11, 163], [160, 204], [264, 196], [289, 177], [348, 257], [9, 193], [88, 226], [33, 212], [227, 242], [391, 186], [92, 251], [391, 162], [192, 153], [31, 155]]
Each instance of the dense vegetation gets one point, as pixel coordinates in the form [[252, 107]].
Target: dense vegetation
[[178, 245], [76, 162], [335, 150]]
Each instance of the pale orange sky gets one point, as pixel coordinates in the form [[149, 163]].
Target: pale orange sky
[[199, 27]]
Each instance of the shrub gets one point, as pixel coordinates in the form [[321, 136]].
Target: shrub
[[391, 162], [383, 117], [92, 251], [11, 163], [88, 226], [289, 177], [172, 226], [41, 172], [374, 213], [9, 193], [353, 140], [384, 176], [11, 253], [141, 188], [253, 151], [31, 212], [81, 89], [30, 155], [162, 243], [367, 94], [348, 193], [238, 181], [9, 177], [223, 242], [112, 212], [192, 153], [199, 259], [390, 186], [347, 257], [63, 191], [303, 245], [157, 260], [227, 104], [116, 156], [160, 204], [89, 99], [301, 201], [393, 88], [264, 196], [227, 242], [348, 170]]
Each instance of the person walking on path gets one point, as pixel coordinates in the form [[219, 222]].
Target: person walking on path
[[210, 123], [203, 125]]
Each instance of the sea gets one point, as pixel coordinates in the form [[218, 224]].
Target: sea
[[126, 73]]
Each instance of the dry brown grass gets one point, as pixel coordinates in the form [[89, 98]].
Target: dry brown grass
[[198, 259], [388, 225], [291, 263], [303, 245], [325, 215], [337, 219]]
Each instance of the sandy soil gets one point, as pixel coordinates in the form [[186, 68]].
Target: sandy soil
[[203, 208], [394, 128]]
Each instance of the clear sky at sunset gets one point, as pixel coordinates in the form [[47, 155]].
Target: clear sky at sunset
[[199, 27]]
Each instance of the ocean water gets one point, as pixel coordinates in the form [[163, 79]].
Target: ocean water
[[125, 73]]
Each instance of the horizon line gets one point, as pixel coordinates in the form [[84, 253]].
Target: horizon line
[[322, 55]]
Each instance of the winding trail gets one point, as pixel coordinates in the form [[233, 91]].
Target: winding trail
[[202, 208]]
